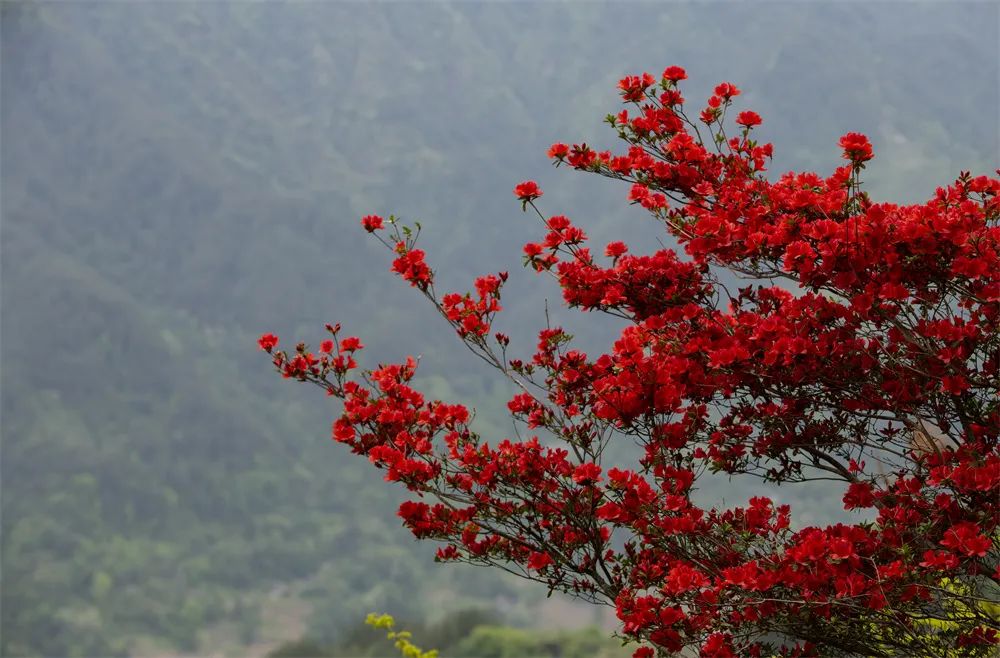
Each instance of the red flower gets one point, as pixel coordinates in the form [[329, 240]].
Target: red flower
[[538, 561], [581, 156], [682, 578], [716, 646], [639, 193], [326, 346], [527, 191], [856, 147], [558, 151], [371, 223], [351, 344], [634, 87], [532, 249], [748, 119], [939, 560], [411, 266], [726, 90], [841, 549], [343, 431], [267, 342], [859, 495], [954, 384], [964, 538], [587, 473], [674, 73], [615, 249]]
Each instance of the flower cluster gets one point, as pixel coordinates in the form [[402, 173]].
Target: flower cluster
[[474, 316], [865, 348]]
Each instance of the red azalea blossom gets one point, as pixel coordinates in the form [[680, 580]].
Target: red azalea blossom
[[615, 249], [859, 495], [587, 473], [748, 118], [674, 74], [717, 646], [372, 223], [558, 152], [267, 342], [966, 539], [527, 191], [634, 86], [350, 344], [726, 90], [856, 147], [538, 561], [411, 266]]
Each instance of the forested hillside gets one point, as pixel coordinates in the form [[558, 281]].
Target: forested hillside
[[179, 177]]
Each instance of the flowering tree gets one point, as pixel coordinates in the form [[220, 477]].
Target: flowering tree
[[864, 349]]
